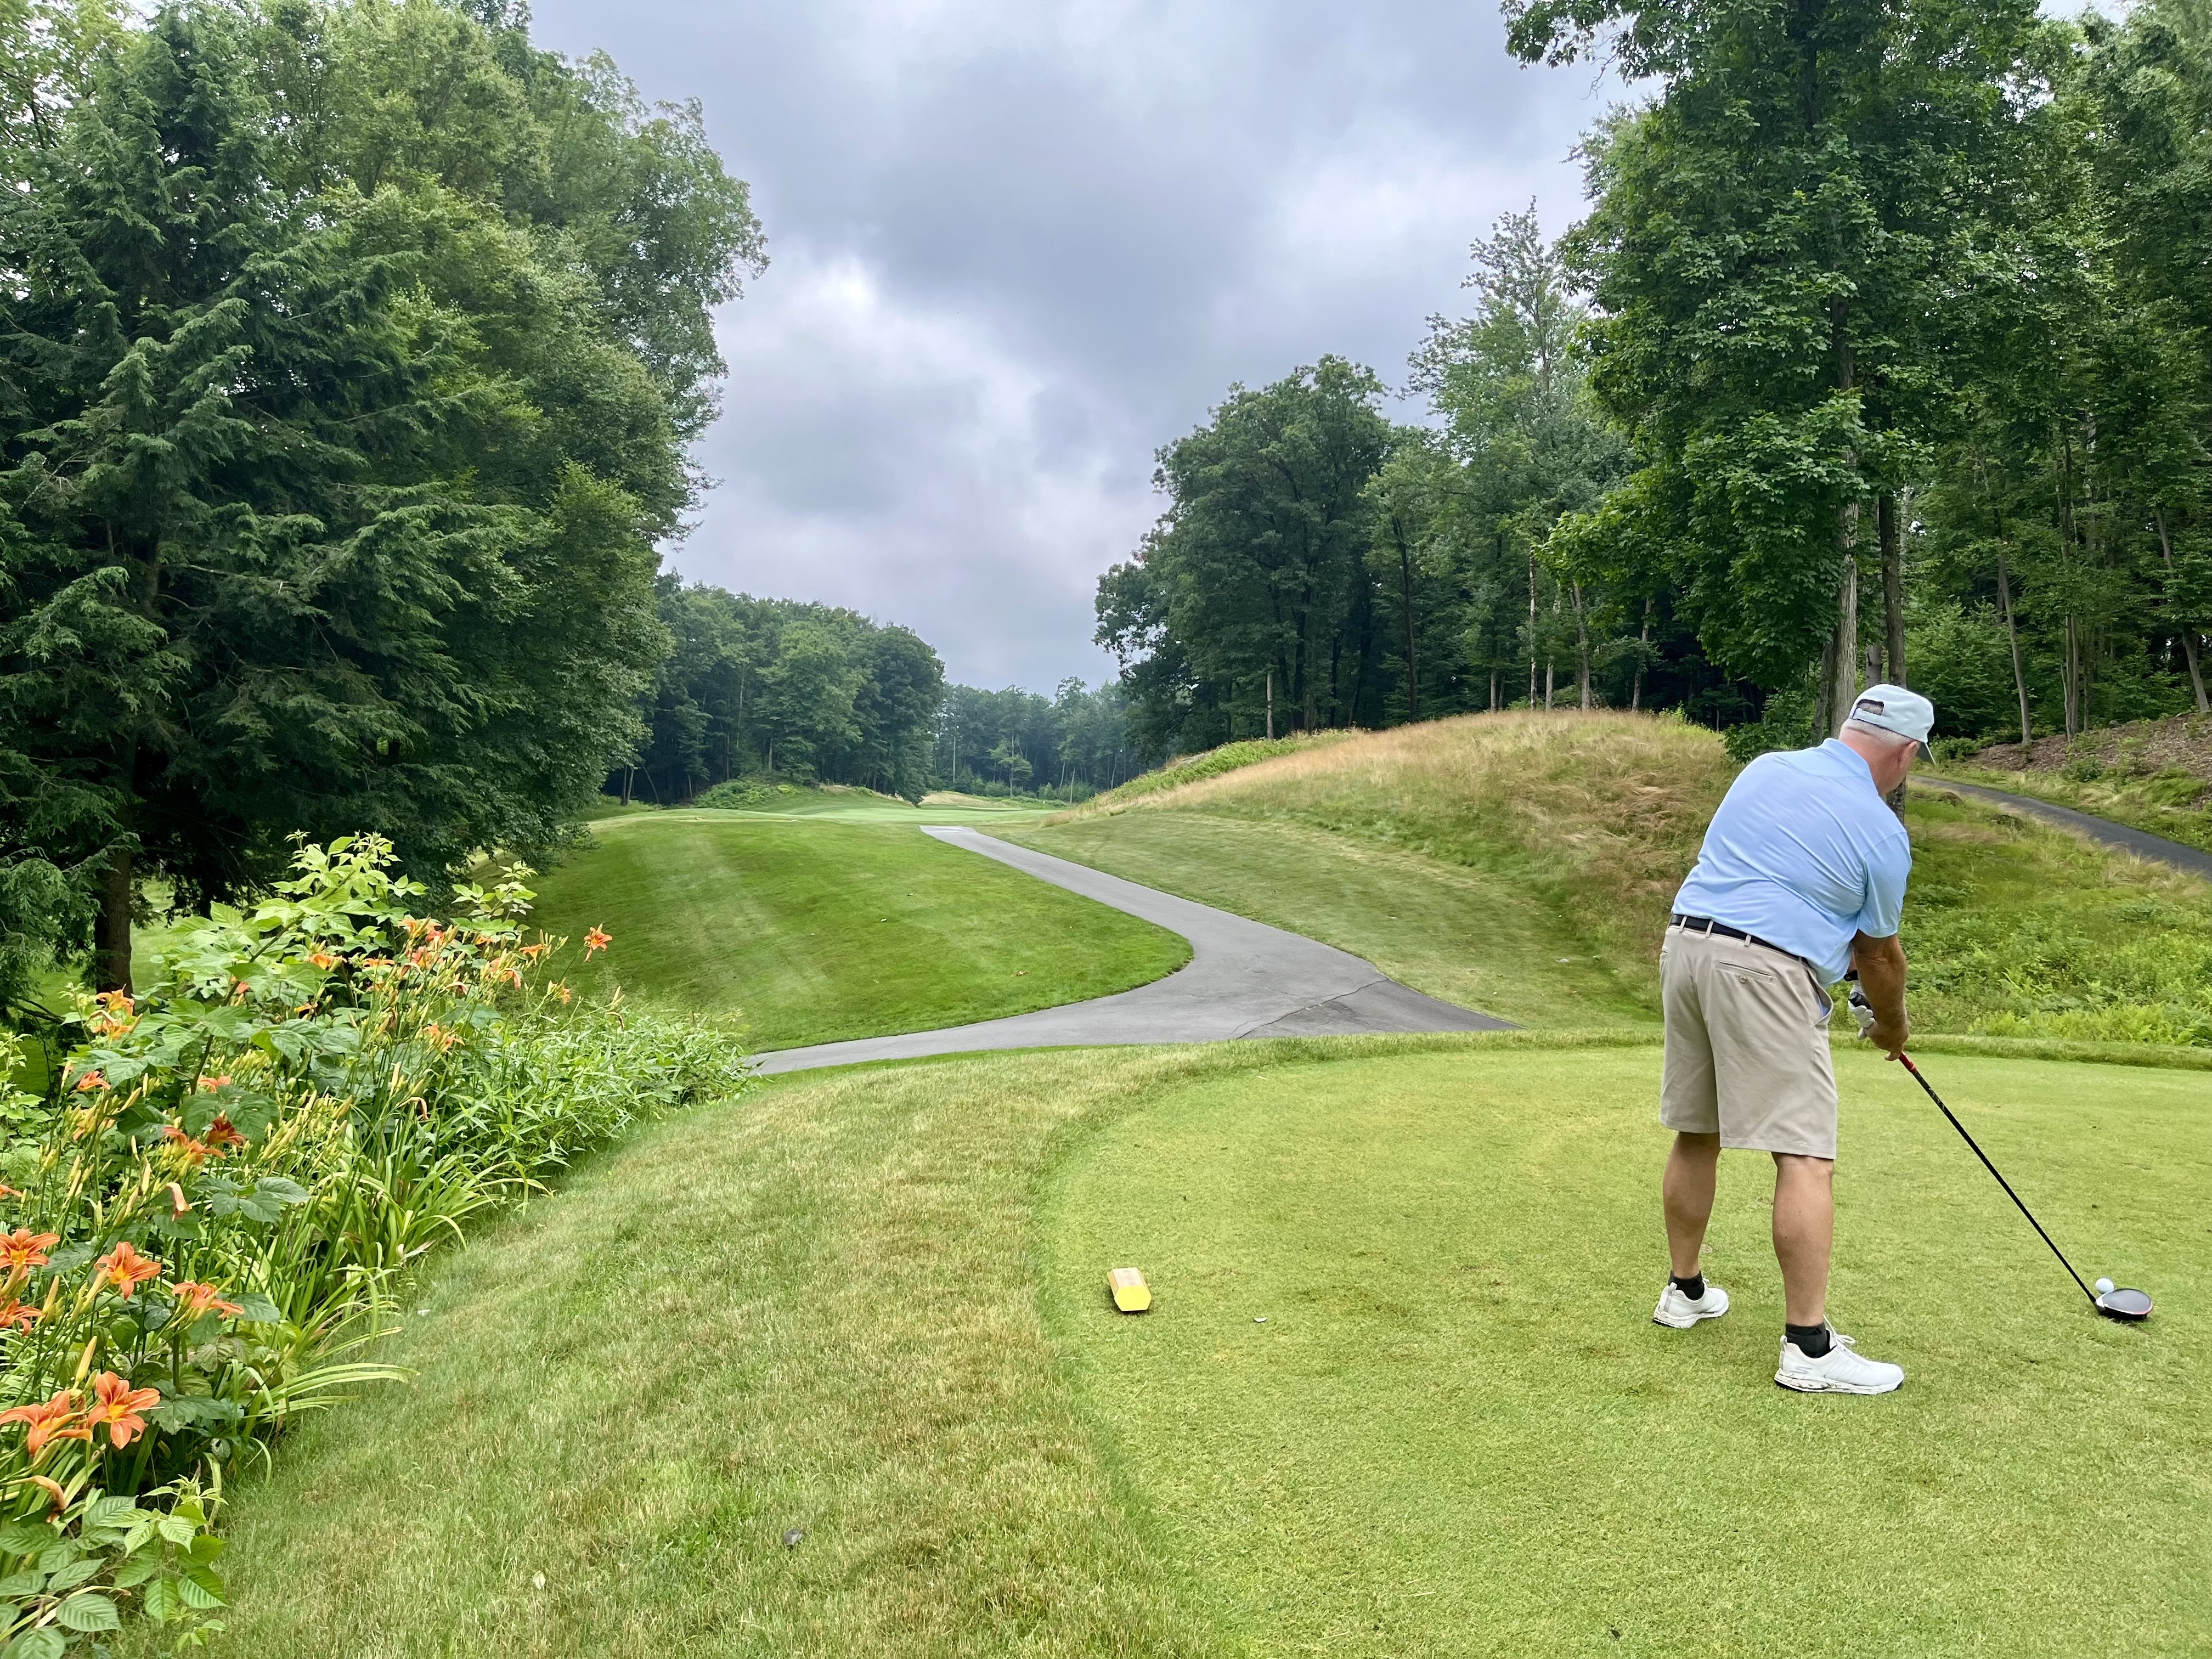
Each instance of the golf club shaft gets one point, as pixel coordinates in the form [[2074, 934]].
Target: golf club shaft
[[2001, 1181]]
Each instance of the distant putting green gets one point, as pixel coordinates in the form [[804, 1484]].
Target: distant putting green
[[1457, 1431], [817, 930]]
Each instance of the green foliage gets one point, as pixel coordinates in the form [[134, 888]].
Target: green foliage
[[1079, 741], [1258, 568], [229, 1175], [774, 686], [336, 449]]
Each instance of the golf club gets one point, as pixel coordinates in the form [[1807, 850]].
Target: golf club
[[2114, 1303]]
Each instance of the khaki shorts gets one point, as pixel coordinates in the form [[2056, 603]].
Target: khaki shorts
[[1746, 1046]]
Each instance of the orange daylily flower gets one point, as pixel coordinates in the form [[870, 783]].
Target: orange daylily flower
[[210, 1084], [124, 1268], [222, 1134], [23, 1249], [193, 1150], [20, 1316], [322, 959], [195, 1300], [116, 1406], [6, 1191], [597, 940], [53, 1489], [177, 1202], [53, 1420], [90, 1081]]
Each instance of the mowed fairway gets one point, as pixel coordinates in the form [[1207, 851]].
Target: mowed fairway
[[869, 1306], [815, 930], [1458, 1432]]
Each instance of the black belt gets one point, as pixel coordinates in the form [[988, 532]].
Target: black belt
[[1707, 924]]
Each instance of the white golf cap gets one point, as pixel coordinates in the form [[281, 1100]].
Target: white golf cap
[[1893, 708]]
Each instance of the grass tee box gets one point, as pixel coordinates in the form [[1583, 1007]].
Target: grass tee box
[[818, 930], [1458, 1431], [868, 1305]]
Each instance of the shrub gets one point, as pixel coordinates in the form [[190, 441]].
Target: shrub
[[228, 1177]]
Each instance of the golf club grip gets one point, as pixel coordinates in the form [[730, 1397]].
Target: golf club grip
[[1954, 1121]]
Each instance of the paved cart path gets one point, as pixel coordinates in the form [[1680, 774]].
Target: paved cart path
[[2178, 854], [1244, 980]]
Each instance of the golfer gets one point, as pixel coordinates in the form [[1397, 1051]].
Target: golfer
[[1802, 876]]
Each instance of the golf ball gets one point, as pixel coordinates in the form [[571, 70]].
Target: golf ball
[[2103, 1287]]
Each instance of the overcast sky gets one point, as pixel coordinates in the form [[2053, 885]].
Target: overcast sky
[[1017, 245]]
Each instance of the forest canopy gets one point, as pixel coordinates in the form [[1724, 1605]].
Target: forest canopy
[[353, 351], [1884, 351]]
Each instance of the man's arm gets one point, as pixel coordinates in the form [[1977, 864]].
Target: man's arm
[[1880, 966]]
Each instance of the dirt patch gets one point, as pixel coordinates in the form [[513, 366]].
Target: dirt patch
[[2140, 749]]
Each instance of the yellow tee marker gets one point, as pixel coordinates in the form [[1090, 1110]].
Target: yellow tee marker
[[1131, 1293]]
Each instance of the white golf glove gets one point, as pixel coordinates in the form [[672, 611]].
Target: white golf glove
[[1861, 1011]]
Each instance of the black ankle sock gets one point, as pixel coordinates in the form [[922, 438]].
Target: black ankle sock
[[1813, 1341], [1693, 1286]]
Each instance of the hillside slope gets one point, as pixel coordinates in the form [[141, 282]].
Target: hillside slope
[[1524, 863]]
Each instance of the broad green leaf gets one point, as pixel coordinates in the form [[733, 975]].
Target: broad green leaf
[[194, 1593], [162, 1602], [257, 1309], [47, 1643], [112, 1512], [29, 1582], [26, 1537], [135, 1540], [131, 1574], [88, 1610], [55, 1557], [71, 1575], [204, 1548], [177, 1528]]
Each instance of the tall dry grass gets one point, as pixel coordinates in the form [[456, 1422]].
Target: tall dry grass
[[1602, 812]]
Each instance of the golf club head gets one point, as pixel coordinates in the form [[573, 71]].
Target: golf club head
[[2124, 1304]]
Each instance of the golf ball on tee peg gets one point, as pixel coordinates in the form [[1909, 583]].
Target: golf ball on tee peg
[[2103, 1287]]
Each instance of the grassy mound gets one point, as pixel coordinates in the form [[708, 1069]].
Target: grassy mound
[[1229, 757], [1524, 863], [817, 930], [2155, 775], [764, 795], [818, 1309]]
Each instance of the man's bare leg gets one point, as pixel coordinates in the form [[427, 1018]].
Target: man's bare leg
[[1804, 1233], [1687, 1191]]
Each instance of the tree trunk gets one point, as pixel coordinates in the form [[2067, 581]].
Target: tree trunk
[[2188, 634], [1405, 588], [1642, 644], [110, 969], [1893, 586], [1582, 644], [2012, 633], [1532, 629], [1493, 688], [1842, 656]]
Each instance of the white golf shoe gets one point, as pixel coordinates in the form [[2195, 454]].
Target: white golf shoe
[[1842, 1370], [1678, 1313]]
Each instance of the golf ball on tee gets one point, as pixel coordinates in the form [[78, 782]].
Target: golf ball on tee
[[2103, 1287]]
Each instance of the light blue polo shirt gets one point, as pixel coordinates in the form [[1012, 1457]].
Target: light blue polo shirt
[[1805, 854]]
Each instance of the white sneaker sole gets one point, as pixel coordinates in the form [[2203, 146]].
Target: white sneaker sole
[[1802, 1383], [1658, 1318]]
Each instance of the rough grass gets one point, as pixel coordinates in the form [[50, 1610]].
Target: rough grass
[[1470, 856], [813, 930], [1458, 1432], [862, 1305], [1212, 762], [2155, 775], [2016, 929], [1590, 814]]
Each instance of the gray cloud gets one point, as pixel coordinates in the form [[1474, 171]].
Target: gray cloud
[[1017, 246]]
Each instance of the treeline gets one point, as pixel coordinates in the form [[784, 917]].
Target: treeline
[[353, 351], [1923, 392], [775, 689], [1068, 746], [755, 688]]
